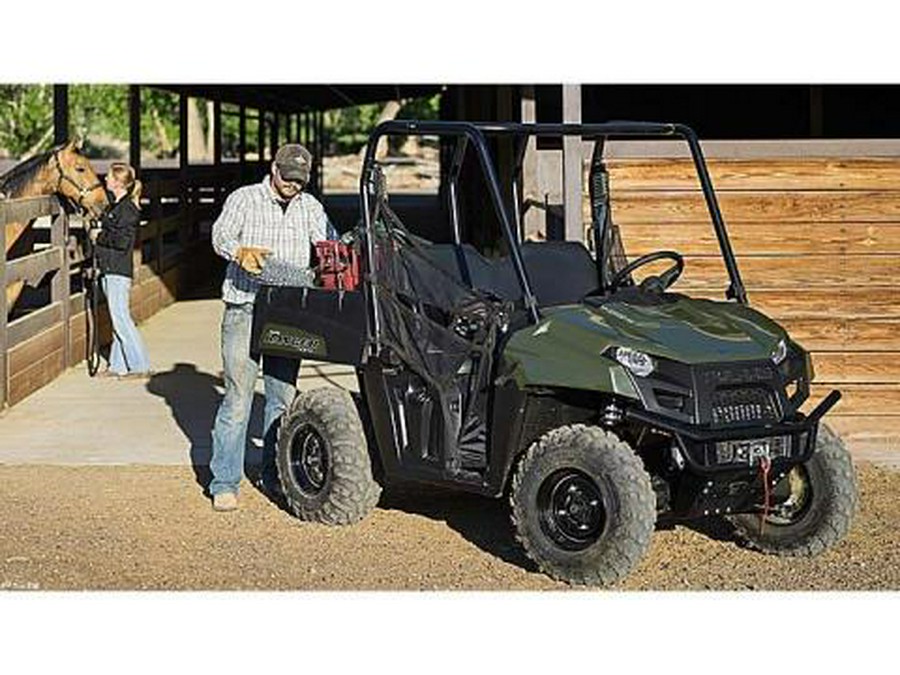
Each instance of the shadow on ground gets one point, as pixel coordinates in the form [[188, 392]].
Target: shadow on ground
[[486, 522], [482, 521], [193, 397], [716, 528]]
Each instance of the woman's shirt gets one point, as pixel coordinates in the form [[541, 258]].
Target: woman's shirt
[[115, 242]]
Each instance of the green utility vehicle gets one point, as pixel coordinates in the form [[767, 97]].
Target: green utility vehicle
[[551, 376]]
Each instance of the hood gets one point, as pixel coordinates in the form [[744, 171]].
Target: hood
[[678, 328]]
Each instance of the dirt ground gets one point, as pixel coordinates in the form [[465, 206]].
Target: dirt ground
[[142, 527]]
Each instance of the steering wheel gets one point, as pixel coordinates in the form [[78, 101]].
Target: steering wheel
[[651, 283]]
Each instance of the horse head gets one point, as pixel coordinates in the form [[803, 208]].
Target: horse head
[[77, 180]]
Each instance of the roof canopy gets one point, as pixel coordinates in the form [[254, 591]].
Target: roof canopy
[[292, 98]]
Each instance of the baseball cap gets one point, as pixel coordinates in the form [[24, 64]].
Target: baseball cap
[[294, 162]]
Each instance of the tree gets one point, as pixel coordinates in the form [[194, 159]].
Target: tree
[[348, 129], [99, 114], [26, 119]]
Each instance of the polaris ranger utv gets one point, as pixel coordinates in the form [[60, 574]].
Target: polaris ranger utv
[[551, 377]]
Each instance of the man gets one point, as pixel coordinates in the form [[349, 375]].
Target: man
[[276, 218]]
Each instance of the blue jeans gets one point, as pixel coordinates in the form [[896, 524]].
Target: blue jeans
[[229, 435], [127, 354]]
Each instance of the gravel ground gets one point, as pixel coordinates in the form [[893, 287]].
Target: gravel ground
[[142, 527]]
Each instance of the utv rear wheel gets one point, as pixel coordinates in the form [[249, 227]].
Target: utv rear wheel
[[818, 513], [323, 460], [583, 506]]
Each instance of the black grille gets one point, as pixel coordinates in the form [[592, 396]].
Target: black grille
[[741, 405]]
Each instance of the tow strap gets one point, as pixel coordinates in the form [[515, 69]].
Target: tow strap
[[765, 465]]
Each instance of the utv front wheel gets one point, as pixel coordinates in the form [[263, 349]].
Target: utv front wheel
[[818, 512], [583, 506], [323, 461]]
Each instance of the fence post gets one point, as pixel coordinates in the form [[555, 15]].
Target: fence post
[[3, 308], [185, 194], [60, 288]]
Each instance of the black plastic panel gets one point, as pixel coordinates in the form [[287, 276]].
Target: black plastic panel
[[326, 325]]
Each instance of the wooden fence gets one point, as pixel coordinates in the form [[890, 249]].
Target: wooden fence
[[818, 246], [36, 347], [172, 254]]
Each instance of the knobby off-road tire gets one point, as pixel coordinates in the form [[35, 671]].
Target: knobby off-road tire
[[323, 460], [557, 482], [826, 510]]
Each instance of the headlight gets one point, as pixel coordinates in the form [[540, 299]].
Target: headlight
[[779, 352], [637, 362]]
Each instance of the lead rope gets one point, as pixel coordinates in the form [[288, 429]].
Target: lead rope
[[765, 465], [90, 276]]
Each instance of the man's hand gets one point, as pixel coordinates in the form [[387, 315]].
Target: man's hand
[[252, 258], [93, 233]]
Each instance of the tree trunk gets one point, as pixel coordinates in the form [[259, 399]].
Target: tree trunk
[[196, 137], [388, 112], [165, 145], [36, 148], [210, 130]]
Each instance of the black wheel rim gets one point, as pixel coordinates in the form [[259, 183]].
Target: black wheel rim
[[795, 507], [309, 460], [572, 509]]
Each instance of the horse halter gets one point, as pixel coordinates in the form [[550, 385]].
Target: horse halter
[[82, 191]]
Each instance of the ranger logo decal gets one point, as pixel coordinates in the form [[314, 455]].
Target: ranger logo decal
[[282, 338]]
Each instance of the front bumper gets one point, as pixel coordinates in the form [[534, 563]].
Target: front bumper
[[698, 442]]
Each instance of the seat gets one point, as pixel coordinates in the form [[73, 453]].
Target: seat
[[561, 272]]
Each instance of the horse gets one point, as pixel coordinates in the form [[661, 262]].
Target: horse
[[62, 170]]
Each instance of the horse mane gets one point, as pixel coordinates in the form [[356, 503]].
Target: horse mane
[[14, 181]]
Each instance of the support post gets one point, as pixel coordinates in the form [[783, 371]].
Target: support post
[[261, 137], [816, 112], [320, 150], [60, 113], [61, 285], [572, 169], [535, 220], [276, 133], [185, 225], [242, 136], [134, 126], [217, 132]]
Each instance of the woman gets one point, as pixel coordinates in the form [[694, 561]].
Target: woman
[[113, 248]]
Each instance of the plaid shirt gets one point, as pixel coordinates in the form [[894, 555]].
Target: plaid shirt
[[252, 216]]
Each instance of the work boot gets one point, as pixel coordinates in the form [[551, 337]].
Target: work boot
[[225, 501]]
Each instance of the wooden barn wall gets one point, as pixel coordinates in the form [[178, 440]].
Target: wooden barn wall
[[818, 248], [39, 360]]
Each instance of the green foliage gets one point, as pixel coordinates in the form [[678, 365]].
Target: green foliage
[[348, 129], [159, 123], [421, 109], [231, 131], [26, 119], [99, 113]]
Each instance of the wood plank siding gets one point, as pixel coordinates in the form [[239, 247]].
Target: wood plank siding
[[818, 246], [172, 254]]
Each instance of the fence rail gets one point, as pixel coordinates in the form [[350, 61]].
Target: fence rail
[[31, 269]]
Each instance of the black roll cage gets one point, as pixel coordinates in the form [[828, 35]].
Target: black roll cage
[[476, 133]]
